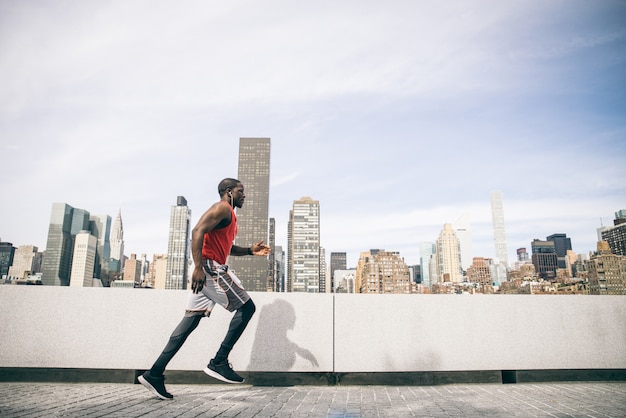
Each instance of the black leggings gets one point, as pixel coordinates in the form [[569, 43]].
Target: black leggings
[[186, 326]]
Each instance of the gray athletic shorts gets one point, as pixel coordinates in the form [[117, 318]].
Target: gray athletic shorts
[[222, 287]]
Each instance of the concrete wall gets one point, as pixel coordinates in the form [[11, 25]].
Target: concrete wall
[[104, 328]]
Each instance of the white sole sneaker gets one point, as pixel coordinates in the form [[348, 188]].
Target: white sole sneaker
[[216, 375]]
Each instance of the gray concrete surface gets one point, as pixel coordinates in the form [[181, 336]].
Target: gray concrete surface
[[315, 333], [597, 399]]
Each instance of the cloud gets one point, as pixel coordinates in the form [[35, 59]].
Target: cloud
[[398, 117], [562, 47], [285, 179]]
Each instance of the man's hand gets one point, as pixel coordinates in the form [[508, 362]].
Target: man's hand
[[260, 249], [198, 279]]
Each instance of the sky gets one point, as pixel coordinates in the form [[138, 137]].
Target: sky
[[397, 116]]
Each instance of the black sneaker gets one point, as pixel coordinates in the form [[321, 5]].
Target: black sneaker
[[223, 372], [156, 385]]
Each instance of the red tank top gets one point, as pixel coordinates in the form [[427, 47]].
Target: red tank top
[[218, 242]]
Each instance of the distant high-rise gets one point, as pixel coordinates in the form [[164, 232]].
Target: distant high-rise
[[338, 261], [116, 263], [26, 260], [272, 278], [499, 233], [427, 250], [522, 255], [7, 252], [463, 230], [544, 258], [480, 271], [83, 259], [345, 280], [253, 218], [303, 255], [100, 227], [448, 255], [384, 272], [57, 261], [616, 235], [178, 245], [280, 267], [132, 270], [562, 244], [145, 266], [606, 272], [324, 284], [157, 271]]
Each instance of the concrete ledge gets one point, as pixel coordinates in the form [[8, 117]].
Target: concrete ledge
[[9, 374], [319, 337]]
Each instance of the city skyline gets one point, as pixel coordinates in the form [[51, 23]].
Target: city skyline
[[553, 260], [398, 118], [348, 255]]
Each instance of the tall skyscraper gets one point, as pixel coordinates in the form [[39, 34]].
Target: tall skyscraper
[[116, 263], [280, 267], [338, 261], [303, 255], [57, 261], [83, 259], [80, 221], [427, 250], [254, 173], [499, 233], [178, 245], [156, 272], [616, 235], [7, 252], [544, 258], [562, 245], [145, 266], [272, 278], [132, 270], [463, 230], [324, 284], [26, 260], [100, 227], [448, 255]]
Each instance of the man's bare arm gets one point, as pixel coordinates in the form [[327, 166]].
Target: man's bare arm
[[258, 249]]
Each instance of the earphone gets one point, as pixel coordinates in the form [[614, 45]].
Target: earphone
[[230, 194]]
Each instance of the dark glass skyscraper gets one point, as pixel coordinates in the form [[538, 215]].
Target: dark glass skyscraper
[[57, 260], [338, 261], [65, 223], [100, 227], [561, 245], [7, 251], [254, 173]]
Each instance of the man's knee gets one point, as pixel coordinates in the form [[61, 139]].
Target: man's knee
[[248, 309]]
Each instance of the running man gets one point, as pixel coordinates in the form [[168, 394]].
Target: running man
[[212, 283]]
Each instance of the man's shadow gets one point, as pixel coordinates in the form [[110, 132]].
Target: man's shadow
[[272, 350]]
